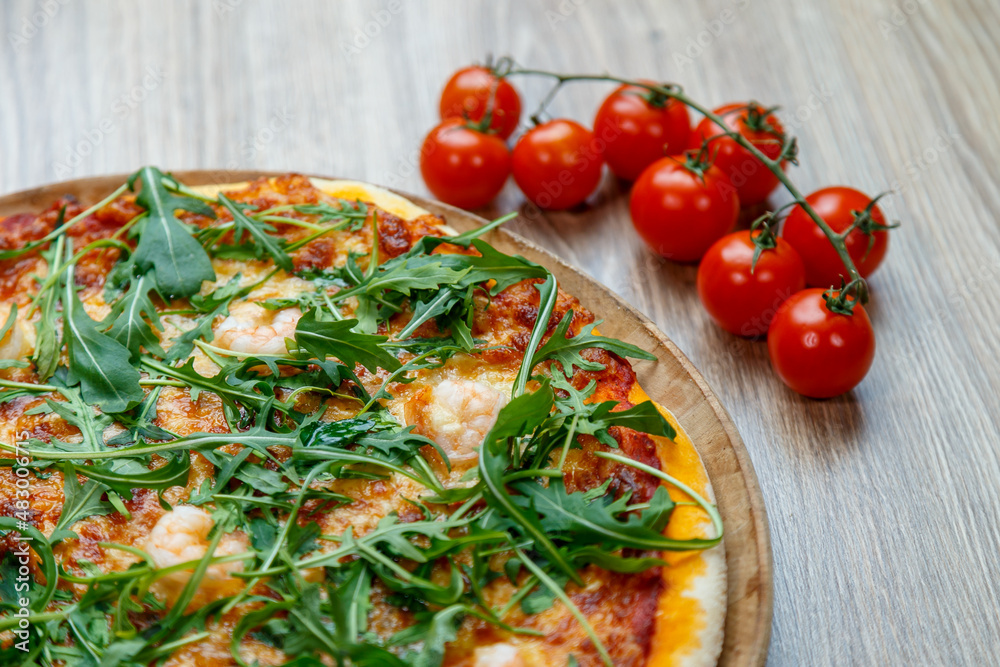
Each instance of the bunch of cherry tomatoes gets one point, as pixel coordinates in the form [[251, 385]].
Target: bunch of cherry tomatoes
[[689, 185]]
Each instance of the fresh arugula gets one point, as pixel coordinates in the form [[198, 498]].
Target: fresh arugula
[[167, 250], [99, 363], [339, 340], [79, 502], [265, 244], [129, 320], [568, 350], [47, 344]]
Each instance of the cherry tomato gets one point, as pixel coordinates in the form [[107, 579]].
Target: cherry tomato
[[836, 206], [557, 164], [468, 92], [679, 213], [816, 352], [741, 301], [464, 167], [638, 131], [747, 174]]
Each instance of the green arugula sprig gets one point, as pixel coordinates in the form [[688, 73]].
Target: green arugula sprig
[[166, 248]]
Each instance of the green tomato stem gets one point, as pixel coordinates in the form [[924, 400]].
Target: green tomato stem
[[674, 92]]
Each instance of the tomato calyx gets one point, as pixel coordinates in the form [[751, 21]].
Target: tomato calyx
[[698, 161], [483, 124], [866, 223], [759, 119], [657, 99], [764, 234], [843, 300]]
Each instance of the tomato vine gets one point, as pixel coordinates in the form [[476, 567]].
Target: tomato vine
[[856, 286]]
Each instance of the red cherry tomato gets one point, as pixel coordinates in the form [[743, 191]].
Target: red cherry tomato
[[464, 167], [816, 352], [557, 164], [744, 302], [637, 131], [679, 213], [467, 94], [747, 174], [836, 206]]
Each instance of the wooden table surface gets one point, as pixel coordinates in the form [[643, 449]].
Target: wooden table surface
[[884, 504]]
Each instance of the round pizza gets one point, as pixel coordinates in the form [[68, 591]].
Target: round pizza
[[298, 421]]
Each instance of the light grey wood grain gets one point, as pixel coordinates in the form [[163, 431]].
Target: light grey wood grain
[[884, 504]]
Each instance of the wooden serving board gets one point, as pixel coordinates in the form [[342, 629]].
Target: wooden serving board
[[671, 380]]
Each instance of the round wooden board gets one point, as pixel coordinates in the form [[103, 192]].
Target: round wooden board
[[671, 380]]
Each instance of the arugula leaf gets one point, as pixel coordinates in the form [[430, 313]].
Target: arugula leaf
[[351, 602], [506, 270], [404, 276], [7, 326], [442, 628], [567, 350], [166, 246], [122, 479], [79, 502], [336, 339], [76, 412], [574, 518], [522, 415], [265, 244], [130, 327], [335, 433], [42, 546], [615, 563], [47, 345], [435, 305], [548, 293], [233, 391], [345, 210], [98, 362], [643, 417], [389, 449], [9, 322]]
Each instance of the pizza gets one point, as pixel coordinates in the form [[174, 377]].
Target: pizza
[[299, 421]]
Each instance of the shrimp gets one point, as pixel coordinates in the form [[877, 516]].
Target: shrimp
[[498, 655], [19, 341], [457, 415], [253, 329], [181, 536]]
